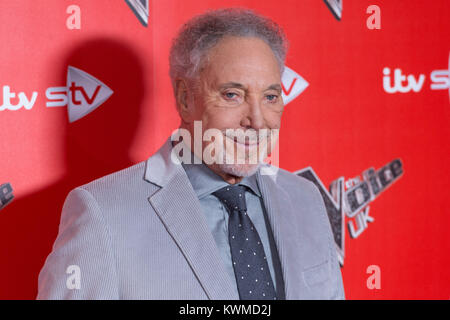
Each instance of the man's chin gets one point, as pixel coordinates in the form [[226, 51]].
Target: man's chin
[[239, 170]]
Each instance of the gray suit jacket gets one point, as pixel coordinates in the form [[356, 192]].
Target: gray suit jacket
[[140, 233]]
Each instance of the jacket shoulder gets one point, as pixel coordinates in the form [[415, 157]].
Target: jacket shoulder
[[120, 179], [291, 181]]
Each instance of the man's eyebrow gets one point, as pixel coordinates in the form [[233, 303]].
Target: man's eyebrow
[[232, 85], [276, 87], [238, 85]]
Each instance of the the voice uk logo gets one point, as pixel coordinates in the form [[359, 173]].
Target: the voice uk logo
[[350, 198], [82, 95], [292, 85]]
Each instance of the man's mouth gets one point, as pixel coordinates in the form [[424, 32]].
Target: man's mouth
[[245, 142]]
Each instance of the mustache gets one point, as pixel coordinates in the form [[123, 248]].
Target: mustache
[[249, 136]]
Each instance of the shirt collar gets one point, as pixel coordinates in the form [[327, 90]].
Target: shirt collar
[[205, 181]]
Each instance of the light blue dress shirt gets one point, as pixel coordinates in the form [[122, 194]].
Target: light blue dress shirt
[[205, 182]]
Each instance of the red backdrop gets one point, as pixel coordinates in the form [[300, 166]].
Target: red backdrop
[[343, 123]]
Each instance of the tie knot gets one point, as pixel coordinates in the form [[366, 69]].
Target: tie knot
[[232, 197]]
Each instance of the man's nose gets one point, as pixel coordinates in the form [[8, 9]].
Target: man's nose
[[254, 116]]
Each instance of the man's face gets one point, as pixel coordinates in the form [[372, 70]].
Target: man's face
[[239, 87]]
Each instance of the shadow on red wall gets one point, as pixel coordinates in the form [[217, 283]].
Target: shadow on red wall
[[94, 146]]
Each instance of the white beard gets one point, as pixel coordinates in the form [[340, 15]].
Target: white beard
[[243, 167], [239, 170]]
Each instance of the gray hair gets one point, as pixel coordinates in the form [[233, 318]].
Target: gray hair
[[204, 31]]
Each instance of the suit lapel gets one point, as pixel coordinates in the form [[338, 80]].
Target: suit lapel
[[180, 211], [280, 213]]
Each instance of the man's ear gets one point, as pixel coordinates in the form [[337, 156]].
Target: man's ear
[[182, 99]]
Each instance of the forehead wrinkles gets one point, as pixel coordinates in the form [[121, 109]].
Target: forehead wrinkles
[[243, 71], [227, 62]]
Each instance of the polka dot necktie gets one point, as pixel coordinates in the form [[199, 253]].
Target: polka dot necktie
[[247, 252]]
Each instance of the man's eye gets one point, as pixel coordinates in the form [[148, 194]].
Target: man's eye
[[272, 97], [230, 95]]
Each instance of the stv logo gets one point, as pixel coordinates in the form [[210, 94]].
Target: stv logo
[[82, 95]]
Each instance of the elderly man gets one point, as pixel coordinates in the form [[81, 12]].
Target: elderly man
[[205, 217]]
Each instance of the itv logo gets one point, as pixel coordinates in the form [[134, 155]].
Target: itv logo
[[398, 82], [24, 101]]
